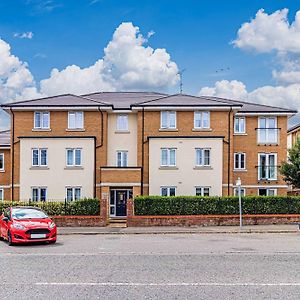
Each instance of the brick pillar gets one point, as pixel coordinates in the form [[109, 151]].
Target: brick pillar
[[130, 208], [104, 209]]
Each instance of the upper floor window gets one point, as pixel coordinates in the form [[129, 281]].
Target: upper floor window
[[39, 157], [168, 157], [168, 120], [73, 193], [168, 191], [1, 194], [267, 130], [41, 120], [202, 157], [39, 194], [122, 122], [267, 168], [202, 191], [201, 119], [1, 161], [239, 161], [75, 120], [74, 157], [239, 125], [122, 158]]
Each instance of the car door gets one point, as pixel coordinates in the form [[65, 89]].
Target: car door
[[5, 225]]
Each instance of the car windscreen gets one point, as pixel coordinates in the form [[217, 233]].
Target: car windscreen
[[27, 213]]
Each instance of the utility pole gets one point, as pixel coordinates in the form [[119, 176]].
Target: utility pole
[[180, 73]]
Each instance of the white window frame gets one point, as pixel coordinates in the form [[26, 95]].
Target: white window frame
[[239, 131], [3, 164], [39, 188], [201, 114], [168, 125], [202, 160], [1, 194], [124, 154], [268, 191], [39, 157], [267, 166], [168, 190], [78, 125], [202, 190], [236, 192], [239, 154], [119, 122], [73, 188], [168, 164], [267, 131], [42, 114], [74, 157]]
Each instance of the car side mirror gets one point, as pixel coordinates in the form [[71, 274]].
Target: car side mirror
[[5, 219]]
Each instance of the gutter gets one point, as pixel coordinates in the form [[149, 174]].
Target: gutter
[[12, 154], [142, 168], [229, 148]]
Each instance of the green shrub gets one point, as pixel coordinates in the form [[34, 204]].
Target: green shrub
[[193, 205], [83, 207]]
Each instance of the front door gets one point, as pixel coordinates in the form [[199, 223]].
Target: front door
[[118, 202]]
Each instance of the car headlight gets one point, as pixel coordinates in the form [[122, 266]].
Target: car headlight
[[18, 226], [52, 225]]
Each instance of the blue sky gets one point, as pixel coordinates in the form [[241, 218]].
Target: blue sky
[[198, 36]]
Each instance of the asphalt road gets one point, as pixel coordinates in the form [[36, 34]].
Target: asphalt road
[[178, 266]]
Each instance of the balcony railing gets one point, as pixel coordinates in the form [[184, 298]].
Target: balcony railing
[[267, 172], [267, 135]]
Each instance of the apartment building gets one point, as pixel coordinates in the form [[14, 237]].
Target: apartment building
[[293, 134], [120, 144]]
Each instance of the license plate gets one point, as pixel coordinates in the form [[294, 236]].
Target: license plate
[[38, 236]]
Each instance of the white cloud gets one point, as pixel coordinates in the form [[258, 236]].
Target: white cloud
[[24, 35]]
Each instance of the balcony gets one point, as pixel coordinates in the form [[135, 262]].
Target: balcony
[[267, 136], [267, 172]]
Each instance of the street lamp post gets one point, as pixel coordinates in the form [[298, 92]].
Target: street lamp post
[[239, 184]]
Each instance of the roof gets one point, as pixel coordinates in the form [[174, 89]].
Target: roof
[[294, 128], [57, 101], [5, 138], [127, 100]]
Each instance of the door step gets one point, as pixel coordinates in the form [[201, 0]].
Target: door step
[[118, 222]]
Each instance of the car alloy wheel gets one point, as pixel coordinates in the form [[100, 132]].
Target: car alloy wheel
[[10, 242]]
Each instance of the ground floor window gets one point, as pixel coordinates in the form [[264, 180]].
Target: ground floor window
[[202, 191], [73, 193], [236, 192], [267, 192], [1, 194], [39, 194], [168, 191]]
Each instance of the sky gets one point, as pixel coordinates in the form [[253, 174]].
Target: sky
[[240, 49]]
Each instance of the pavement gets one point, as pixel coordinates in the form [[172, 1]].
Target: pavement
[[290, 228], [158, 266]]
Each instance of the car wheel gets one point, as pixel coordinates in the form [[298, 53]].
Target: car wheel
[[9, 239]]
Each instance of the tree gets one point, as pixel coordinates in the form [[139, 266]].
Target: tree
[[291, 169]]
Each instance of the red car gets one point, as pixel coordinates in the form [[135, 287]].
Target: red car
[[25, 225]]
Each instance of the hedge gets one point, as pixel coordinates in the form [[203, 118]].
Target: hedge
[[194, 205], [83, 207]]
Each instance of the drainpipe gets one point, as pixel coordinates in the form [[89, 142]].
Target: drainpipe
[[142, 169], [96, 147], [102, 122], [12, 153], [229, 148]]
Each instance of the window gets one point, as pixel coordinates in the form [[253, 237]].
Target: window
[[168, 120], [75, 120], [73, 193], [168, 191], [74, 157], [122, 122], [168, 157], [267, 192], [239, 161], [239, 125], [267, 168], [202, 191], [41, 120], [1, 194], [39, 157], [201, 119], [1, 161], [267, 131], [122, 158], [202, 157], [236, 192], [39, 194]]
